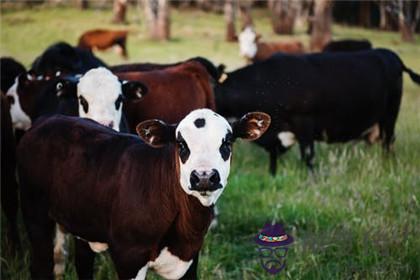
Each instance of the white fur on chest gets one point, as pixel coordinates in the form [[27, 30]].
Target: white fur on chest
[[168, 265]]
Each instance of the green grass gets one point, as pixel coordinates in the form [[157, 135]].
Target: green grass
[[358, 220]]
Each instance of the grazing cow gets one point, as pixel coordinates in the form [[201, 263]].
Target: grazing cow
[[331, 97], [10, 69], [149, 199], [63, 58], [253, 50], [9, 196], [177, 90], [103, 39], [348, 45], [97, 95]]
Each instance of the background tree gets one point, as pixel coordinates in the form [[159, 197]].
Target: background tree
[[245, 12], [230, 15], [83, 4], [321, 24], [408, 18], [120, 8], [157, 18], [283, 14]]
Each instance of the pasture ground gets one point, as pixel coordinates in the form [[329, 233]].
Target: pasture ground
[[358, 220]]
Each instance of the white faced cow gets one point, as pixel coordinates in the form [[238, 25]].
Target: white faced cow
[[149, 200]]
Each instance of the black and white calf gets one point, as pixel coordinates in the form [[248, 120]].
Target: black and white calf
[[149, 199]]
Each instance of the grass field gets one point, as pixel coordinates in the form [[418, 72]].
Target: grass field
[[360, 219]]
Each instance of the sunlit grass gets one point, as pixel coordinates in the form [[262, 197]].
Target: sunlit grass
[[359, 218]]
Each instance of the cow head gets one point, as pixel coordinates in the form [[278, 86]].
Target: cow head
[[100, 95], [204, 142], [248, 42]]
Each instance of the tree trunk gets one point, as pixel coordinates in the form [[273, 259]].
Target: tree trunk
[[120, 8], [283, 16], [157, 18], [404, 21], [245, 10], [321, 30], [383, 21], [364, 13], [83, 4], [230, 20]]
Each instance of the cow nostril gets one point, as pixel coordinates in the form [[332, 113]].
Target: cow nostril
[[194, 179], [214, 177], [111, 124]]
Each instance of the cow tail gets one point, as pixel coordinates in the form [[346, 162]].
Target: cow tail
[[413, 75]]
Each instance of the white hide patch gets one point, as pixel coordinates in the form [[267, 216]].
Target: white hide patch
[[204, 144], [98, 247], [287, 138], [60, 252], [20, 119], [247, 42], [141, 275], [100, 88], [168, 265]]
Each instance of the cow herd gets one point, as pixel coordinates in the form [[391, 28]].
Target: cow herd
[[132, 158]]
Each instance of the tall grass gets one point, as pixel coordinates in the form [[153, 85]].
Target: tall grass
[[359, 219]]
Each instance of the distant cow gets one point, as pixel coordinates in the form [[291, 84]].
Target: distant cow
[[347, 45], [9, 70], [149, 201], [62, 58], [103, 39], [331, 97], [176, 91], [253, 50]]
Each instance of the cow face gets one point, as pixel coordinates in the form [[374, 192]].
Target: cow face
[[204, 142], [248, 42], [100, 96]]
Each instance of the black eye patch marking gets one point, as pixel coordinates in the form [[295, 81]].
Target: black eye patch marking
[[200, 122], [183, 150], [118, 102], [226, 147], [84, 103]]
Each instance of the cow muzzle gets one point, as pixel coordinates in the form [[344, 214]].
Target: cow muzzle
[[204, 182]]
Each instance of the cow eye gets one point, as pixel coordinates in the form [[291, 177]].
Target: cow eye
[[183, 150], [84, 103], [11, 99], [226, 147], [118, 102]]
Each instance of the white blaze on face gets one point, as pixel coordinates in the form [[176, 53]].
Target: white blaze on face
[[204, 144], [20, 119], [247, 42], [100, 89]]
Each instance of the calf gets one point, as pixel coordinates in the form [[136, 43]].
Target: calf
[[65, 59], [103, 39], [148, 200], [177, 90], [331, 97], [347, 45], [97, 95], [253, 50]]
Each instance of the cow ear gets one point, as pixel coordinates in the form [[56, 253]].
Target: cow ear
[[26, 78], [258, 38], [251, 126], [156, 133], [133, 89], [65, 88]]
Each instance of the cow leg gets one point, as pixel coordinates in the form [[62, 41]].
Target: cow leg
[[40, 229], [307, 153], [9, 202], [59, 253], [84, 258], [191, 273], [273, 161], [129, 263], [391, 115]]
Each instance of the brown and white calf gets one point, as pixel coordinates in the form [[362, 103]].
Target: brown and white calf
[[103, 39], [254, 50], [149, 199]]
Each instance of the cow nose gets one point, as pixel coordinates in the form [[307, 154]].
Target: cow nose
[[205, 181]]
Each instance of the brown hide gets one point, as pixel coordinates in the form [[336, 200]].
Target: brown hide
[[173, 93]]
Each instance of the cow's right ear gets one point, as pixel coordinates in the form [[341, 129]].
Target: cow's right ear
[[133, 89], [65, 88], [156, 133]]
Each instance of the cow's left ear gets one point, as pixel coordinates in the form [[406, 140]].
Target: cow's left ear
[[251, 126], [133, 89], [156, 133]]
